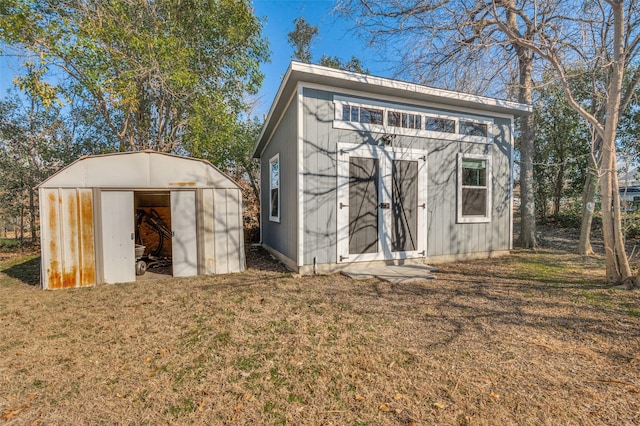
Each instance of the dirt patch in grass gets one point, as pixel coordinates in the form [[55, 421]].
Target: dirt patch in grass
[[533, 338]]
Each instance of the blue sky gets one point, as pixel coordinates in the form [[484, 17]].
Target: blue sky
[[335, 38]]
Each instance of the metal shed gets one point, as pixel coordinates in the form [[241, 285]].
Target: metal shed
[[90, 218]]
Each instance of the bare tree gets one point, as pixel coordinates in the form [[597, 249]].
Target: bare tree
[[606, 32], [462, 46]]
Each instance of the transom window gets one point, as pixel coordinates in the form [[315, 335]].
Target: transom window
[[472, 128], [436, 124], [360, 114], [404, 119], [474, 190], [378, 117]]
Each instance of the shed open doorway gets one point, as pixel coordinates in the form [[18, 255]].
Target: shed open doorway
[[153, 234]]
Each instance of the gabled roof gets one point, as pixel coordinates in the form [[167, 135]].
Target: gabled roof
[[139, 170], [371, 85]]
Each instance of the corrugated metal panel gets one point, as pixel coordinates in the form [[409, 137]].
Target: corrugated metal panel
[[208, 243], [220, 231], [235, 240], [118, 252], [183, 225], [223, 232], [68, 252]]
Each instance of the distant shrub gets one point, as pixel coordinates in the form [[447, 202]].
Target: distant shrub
[[9, 244], [570, 215], [631, 224]]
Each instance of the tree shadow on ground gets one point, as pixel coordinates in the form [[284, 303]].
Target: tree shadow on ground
[[27, 271]]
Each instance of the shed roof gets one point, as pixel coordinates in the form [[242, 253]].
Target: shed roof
[[140, 169], [368, 84]]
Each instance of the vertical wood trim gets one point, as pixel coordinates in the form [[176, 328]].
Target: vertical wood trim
[[300, 170]]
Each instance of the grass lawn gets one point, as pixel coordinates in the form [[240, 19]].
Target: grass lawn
[[529, 339]]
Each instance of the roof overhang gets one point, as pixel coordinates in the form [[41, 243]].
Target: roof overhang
[[370, 86]]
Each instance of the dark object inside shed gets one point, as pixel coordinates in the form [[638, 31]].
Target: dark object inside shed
[[153, 232]]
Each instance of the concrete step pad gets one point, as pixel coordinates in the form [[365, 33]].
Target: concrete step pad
[[396, 274]]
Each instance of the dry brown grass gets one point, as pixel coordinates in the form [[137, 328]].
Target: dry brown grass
[[528, 339]]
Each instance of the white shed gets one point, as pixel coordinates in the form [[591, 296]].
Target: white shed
[[98, 210]]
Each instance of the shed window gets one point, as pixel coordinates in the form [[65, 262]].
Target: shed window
[[361, 114], [436, 124], [474, 189], [394, 118], [274, 188], [403, 119], [472, 128]]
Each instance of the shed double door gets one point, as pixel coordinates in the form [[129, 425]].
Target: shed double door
[[118, 232], [381, 204]]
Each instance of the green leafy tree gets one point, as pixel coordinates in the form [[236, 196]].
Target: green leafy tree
[[301, 39], [159, 73], [562, 150], [354, 64], [35, 141], [235, 159]]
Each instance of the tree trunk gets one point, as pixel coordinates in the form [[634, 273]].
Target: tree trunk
[[588, 207], [557, 190], [527, 237], [21, 223], [32, 215], [616, 262]]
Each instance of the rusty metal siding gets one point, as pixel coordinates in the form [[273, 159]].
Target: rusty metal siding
[[87, 218], [67, 238]]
